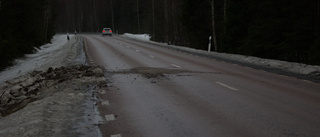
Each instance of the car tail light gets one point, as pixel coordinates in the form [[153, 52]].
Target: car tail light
[[110, 31], [103, 31]]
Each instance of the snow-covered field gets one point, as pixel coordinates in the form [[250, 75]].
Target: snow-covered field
[[311, 72]]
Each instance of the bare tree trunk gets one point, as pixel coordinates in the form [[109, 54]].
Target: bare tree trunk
[[318, 7], [138, 16], [165, 8], [47, 16], [153, 21], [174, 23], [225, 16], [112, 17], [213, 27], [81, 18], [95, 15], [0, 5], [71, 19]]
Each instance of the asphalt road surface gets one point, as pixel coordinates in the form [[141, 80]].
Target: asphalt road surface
[[158, 92]]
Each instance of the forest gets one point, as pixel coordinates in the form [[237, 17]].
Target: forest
[[24, 26], [285, 30], [275, 29]]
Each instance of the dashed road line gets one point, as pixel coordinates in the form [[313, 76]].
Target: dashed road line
[[105, 103], [151, 56], [117, 135], [103, 92], [306, 81], [175, 65], [90, 60], [137, 51], [110, 117], [225, 85]]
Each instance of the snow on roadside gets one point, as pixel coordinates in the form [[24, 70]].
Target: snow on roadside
[[57, 102], [41, 60], [51, 93], [297, 68], [144, 37]]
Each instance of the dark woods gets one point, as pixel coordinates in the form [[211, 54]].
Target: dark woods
[[24, 25], [284, 29], [276, 29]]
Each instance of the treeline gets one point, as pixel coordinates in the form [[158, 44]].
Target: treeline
[[276, 29], [160, 18], [24, 25]]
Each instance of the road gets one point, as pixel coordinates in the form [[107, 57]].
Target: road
[[159, 92]]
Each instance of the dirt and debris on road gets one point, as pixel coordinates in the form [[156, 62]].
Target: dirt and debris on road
[[51, 103], [150, 72], [51, 93], [18, 92]]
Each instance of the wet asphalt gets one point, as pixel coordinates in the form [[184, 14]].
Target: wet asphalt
[[155, 92]]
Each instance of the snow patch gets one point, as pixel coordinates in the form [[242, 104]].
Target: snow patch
[[293, 67], [56, 102], [48, 55], [50, 93], [144, 37]]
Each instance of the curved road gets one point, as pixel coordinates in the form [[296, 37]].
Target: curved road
[[158, 92]]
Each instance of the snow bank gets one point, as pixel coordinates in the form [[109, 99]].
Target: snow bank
[[56, 102], [50, 93], [298, 68], [48, 55], [144, 37], [292, 67]]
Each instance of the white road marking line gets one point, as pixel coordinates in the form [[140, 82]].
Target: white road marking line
[[225, 85], [103, 92], [151, 56], [137, 51], [117, 135], [307, 81], [175, 65], [128, 47], [282, 75], [110, 117], [106, 103]]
